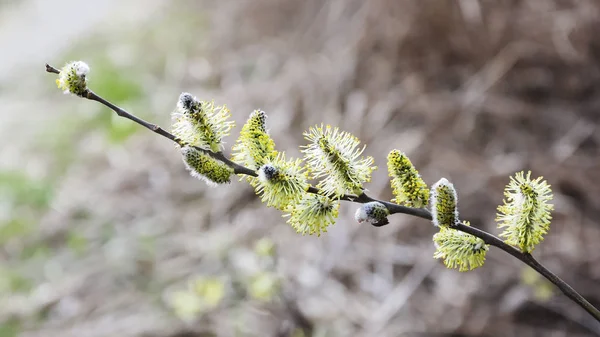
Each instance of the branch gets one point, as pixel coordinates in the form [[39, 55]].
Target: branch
[[488, 238], [238, 169], [529, 260]]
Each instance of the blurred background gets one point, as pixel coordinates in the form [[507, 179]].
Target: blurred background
[[104, 233]]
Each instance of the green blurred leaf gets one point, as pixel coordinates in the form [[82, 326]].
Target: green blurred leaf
[[15, 228], [121, 88], [10, 328], [264, 286], [211, 290], [186, 304], [529, 276], [33, 251], [77, 243], [117, 85], [264, 247], [147, 245], [59, 140], [120, 129], [12, 281], [22, 190], [543, 290]]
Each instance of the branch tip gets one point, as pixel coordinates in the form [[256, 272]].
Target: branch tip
[[51, 69]]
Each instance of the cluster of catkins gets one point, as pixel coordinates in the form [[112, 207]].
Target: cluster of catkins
[[334, 159]]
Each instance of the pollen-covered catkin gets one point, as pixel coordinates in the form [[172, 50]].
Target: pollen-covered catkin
[[201, 123], [458, 249], [334, 156], [525, 215], [281, 182], [206, 168], [313, 214]]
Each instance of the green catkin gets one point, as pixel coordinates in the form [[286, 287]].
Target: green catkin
[[444, 208], [407, 185], [206, 168]]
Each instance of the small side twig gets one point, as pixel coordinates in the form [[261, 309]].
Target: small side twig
[[488, 238]]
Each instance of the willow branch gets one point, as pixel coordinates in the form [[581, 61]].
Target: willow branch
[[488, 238]]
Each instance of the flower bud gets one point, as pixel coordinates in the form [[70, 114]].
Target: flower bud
[[444, 209], [206, 168], [73, 78], [373, 212], [254, 147]]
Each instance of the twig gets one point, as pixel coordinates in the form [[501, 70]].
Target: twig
[[488, 238], [238, 169]]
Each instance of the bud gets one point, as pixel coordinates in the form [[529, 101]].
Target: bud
[[201, 123], [458, 249], [206, 168], [73, 78], [444, 209], [372, 212], [335, 156], [407, 185], [525, 214]]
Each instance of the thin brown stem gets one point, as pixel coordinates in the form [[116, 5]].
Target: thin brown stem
[[122, 113], [488, 238], [529, 260]]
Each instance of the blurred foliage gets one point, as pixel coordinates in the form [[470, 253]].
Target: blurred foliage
[[13, 281], [265, 247], [124, 90], [15, 228], [111, 81], [24, 198], [10, 328], [39, 250], [77, 243], [211, 290], [18, 189], [264, 286], [543, 290], [202, 295], [185, 304]]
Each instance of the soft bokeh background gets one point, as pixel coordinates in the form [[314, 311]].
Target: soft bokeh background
[[103, 233]]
